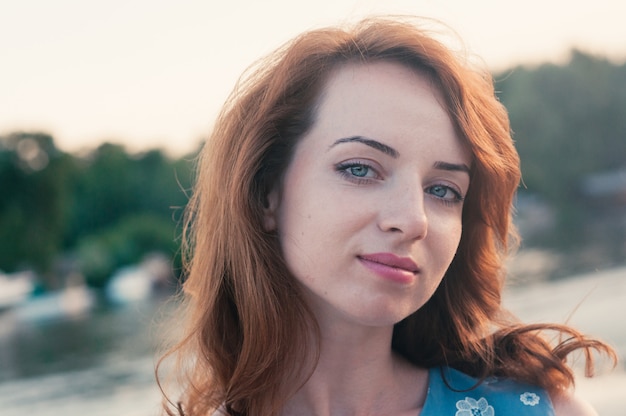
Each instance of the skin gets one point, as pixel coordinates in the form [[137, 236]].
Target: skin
[[568, 404], [381, 171], [341, 199]]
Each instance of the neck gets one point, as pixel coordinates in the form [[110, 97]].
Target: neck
[[358, 374]]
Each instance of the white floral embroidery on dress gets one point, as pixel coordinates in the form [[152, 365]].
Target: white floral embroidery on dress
[[529, 399], [473, 407]]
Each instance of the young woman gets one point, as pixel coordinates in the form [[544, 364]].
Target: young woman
[[346, 239]]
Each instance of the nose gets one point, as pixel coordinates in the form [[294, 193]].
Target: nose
[[404, 213]]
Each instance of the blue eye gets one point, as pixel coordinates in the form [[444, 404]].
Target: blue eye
[[359, 171], [439, 191], [446, 194]]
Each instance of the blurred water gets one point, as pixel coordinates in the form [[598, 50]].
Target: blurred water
[[595, 304], [102, 363], [99, 363]]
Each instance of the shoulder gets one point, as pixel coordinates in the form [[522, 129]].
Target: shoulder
[[568, 404], [453, 392]]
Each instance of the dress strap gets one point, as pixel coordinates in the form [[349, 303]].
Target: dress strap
[[453, 393]]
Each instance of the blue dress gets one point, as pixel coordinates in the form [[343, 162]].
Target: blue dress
[[459, 395]]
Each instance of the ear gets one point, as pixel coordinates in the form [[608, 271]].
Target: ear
[[270, 210]]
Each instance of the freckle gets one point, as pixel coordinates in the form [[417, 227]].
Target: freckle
[[309, 216]]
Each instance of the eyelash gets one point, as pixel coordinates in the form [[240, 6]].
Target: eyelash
[[457, 199], [344, 170]]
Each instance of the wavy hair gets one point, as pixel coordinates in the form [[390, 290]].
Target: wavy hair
[[247, 334]]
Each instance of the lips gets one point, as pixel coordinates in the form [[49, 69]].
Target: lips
[[391, 260]]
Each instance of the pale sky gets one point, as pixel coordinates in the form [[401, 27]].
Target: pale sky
[[152, 73]]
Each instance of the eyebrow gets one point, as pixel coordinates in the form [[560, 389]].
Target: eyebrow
[[453, 167], [369, 142], [388, 150]]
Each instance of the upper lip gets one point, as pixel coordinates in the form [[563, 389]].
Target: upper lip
[[390, 259]]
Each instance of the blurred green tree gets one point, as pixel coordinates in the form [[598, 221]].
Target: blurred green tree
[[125, 205], [569, 121], [123, 244], [33, 202], [113, 184], [106, 209]]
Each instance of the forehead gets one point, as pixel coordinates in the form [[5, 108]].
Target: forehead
[[379, 75], [356, 88], [385, 100]]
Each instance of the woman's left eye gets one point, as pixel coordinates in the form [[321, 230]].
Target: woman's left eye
[[445, 193]]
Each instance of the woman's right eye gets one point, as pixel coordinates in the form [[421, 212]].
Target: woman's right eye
[[357, 171], [360, 171]]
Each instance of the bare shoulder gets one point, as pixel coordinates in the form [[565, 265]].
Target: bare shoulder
[[568, 404]]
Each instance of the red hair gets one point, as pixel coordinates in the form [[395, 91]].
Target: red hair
[[248, 329]]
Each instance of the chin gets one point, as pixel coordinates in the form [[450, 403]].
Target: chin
[[384, 315]]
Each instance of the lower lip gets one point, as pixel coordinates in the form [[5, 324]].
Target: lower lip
[[389, 273]]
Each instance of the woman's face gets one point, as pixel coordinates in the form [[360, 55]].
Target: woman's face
[[369, 209]]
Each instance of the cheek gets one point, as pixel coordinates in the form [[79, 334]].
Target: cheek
[[315, 233], [314, 210], [298, 230], [306, 233], [448, 236], [457, 231]]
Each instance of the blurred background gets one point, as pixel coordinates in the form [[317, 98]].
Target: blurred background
[[104, 105]]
